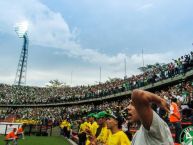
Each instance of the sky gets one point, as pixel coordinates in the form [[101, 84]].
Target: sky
[[71, 40]]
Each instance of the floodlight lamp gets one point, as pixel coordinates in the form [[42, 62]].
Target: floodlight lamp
[[21, 28]]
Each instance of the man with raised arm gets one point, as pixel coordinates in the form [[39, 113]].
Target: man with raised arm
[[153, 130]]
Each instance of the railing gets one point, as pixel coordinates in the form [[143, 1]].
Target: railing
[[39, 130], [6, 127]]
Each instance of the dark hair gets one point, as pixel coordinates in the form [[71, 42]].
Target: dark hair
[[120, 124], [174, 100], [154, 107], [119, 119]]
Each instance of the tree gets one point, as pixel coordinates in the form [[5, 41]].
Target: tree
[[56, 83]]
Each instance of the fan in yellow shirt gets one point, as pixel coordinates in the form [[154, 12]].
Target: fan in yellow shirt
[[68, 128], [102, 132], [82, 132], [63, 124], [118, 137], [92, 127], [63, 127]]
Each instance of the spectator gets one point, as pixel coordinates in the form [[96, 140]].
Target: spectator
[[150, 132], [11, 137], [102, 133], [114, 123], [175, 118], [20, 132]]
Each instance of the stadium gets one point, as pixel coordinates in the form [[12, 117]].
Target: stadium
[[152, 103]]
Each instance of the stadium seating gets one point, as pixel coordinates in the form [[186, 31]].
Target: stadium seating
[[39, 106]]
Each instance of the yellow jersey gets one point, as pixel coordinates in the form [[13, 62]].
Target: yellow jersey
[[82, 128], [68, 125], [119, 138], [94, 127], [63, 124], [103, 136]]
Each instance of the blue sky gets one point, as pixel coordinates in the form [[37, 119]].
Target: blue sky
[[70, 40]]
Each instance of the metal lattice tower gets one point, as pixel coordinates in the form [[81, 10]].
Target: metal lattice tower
[[20, 78]]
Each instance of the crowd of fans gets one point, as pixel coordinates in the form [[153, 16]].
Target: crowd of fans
[[182, 91], [38, 95], [29, 95]]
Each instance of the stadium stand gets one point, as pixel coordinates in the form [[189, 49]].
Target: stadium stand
[[49, 106]]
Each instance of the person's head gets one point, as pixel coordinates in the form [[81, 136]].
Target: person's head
[[14, 129], [23, 126], [68, 119], [132, 113], [114, 120], [101, 117], [174, 99], [91, 117], [83, 119], [111, 123]]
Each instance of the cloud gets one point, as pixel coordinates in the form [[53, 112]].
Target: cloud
[[80, 76], [48, 28], [145, 7], [88, 75], [151, 58], [7, 79]]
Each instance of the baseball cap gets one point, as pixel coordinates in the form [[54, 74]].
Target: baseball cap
[[117, 116], [101, 114], [91, 115]]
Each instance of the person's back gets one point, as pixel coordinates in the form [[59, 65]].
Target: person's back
[[175, 113], [82, 134], [175, 119]]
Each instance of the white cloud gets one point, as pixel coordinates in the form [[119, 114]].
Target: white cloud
[[86, 75], [151, 58], [145, 7], [83, 76], [9, 79], [49, 28]]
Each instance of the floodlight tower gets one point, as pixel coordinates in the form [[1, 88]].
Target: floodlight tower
[[21, 30]]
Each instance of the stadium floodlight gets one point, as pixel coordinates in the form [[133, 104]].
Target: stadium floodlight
[[21, 29]]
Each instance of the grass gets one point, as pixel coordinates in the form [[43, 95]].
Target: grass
[[39, 140]]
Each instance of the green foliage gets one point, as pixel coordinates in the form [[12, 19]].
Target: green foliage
[[56, 83], [110, 80]]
